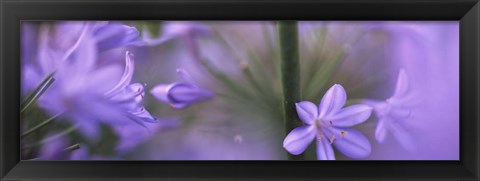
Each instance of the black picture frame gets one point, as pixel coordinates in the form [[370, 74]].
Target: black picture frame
[[465, 11]]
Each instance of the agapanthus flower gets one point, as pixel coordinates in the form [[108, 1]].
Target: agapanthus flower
[[88, 96], [54, 148], [393, 113], [182, 94], [329, 123], [62, 41]]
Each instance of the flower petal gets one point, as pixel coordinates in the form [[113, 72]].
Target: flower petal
[[298, 139], [400, 114], [324, 150], [127, 75], [161, 92], [332, 101], [402, 136], [115, 35], [351, 115], [186, 93], [351, 142], [402, 84], [381, 131], [307, 111]]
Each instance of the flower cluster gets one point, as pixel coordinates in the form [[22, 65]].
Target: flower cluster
[[329, 123], [210, 90]]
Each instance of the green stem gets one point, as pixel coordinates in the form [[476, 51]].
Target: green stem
[[49, 120], [290, 71], [73, 147], [49, 139], [41, 88], [68, 149]]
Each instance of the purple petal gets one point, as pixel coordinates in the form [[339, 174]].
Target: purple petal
[[402, 136], [324, 150], [186, 93], [103, 79], [351, 115], [80, 154], [298, 139], [161, 92], [400, 114], [307, 111], [402, 84], [53, 149], [381, 131], [89, 129], [115, 35], [30, 78], [127, 74], [350, 142], [332, 101]]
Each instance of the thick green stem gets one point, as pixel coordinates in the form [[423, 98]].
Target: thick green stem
[[290, 71]]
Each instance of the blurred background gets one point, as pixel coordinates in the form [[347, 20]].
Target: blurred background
[[238, 62]]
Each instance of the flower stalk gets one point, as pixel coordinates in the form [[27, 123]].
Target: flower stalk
[[44, 123], [41, 88], [290, 75]]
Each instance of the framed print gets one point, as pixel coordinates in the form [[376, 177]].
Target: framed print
[[239, 90]]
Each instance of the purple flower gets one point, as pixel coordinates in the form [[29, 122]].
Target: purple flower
[[54, 148], [329, 123], [70, 40], [393, 113], [114, 35], [181, 94], [88, 96]]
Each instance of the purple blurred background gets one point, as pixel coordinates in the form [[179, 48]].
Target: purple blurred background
[[165, 90]]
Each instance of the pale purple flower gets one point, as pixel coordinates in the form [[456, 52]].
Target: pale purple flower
[[394, 112], [54, 148], [67, 40], [182, 94], [114, 35], [88, 96], [329, 124]]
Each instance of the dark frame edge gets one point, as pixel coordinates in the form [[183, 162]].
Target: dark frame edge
[[10, 167], [4, 168], [469, 52]]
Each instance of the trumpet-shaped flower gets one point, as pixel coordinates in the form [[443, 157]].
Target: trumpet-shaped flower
[[182, 94], [67, 40], [88, 96], [329, 124], [393, 113]]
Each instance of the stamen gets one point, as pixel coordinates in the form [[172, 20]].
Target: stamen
[[318, 124], [320, 137], [332, 139], [343, 133]]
